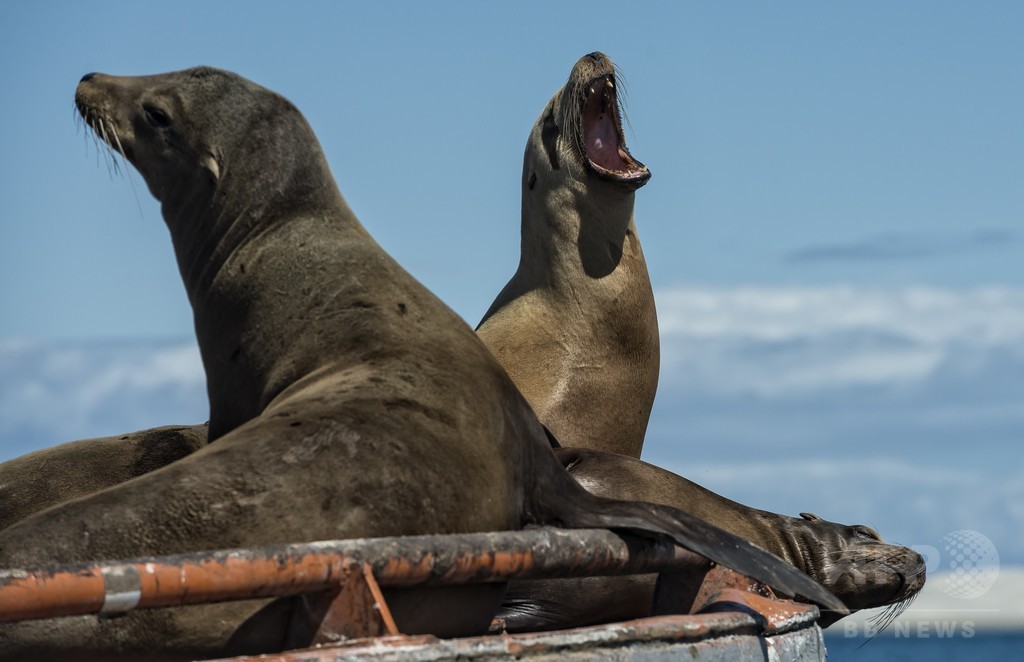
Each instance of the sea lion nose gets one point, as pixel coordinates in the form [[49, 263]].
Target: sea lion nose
[[596, 56], [88, 77]]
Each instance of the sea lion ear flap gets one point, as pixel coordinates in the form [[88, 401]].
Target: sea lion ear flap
[[210, 164], [549, 136], [811, 517]]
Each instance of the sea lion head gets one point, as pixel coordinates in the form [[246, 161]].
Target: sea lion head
[[192, 133], [581, 130], [859, 567], [222, 154]]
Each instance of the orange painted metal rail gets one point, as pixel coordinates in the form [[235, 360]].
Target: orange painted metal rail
[[285, 570]]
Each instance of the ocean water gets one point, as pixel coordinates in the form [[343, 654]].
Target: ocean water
[[963, 645]]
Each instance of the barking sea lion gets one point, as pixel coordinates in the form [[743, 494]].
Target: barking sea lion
[[345, 399], [576, 327]]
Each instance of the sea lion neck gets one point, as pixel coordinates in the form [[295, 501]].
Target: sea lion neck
[[796, 540], [206, 233], [259, 314], [582, 226], [258, 311], [249, 201]]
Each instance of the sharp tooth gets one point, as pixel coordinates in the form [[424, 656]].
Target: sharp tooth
[[609, 83], [591, 90]]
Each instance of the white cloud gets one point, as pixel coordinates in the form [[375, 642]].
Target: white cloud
[[992, 314], [58, 392], [829, 471], [776, 342]]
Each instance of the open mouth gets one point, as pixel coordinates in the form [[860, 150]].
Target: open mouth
[[603, 144]]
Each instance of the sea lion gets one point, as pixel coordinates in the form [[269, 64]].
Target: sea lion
[[576, 327], [345, 399], [852, 562], [34, 482]]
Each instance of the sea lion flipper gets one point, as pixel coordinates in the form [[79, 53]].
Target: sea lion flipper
[[707, 540]]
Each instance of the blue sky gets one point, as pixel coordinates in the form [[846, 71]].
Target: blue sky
[[833, 228], [877, 144]]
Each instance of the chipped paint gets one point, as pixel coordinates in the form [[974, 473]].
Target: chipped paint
[[287, 570]]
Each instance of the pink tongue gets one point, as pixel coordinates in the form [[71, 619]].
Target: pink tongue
[[602, 143]]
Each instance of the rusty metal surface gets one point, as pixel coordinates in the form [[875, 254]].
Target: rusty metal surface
[[777, 616], [338, 580], [713, 637], [719, 578], [354, 608], [287, 570], [383, 611], [727, 590]]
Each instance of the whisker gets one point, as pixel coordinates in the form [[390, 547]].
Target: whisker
[[102, 130], [79, 124], [881, 621], [622, 95], [131, 181], [96, 141], [103, 133], [109, 138], [620, 78], [117, 141]]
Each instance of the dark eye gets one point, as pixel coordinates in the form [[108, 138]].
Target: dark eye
[[157, 117], [865, 532]]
